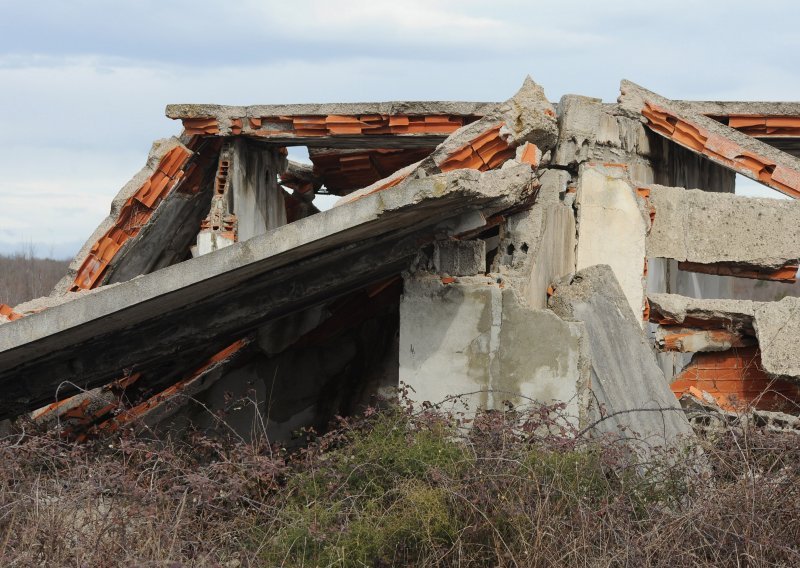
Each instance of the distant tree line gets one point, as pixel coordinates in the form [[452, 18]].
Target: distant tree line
[[23, 276]]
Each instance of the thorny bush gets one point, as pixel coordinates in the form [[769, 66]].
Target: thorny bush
[[403, 487]]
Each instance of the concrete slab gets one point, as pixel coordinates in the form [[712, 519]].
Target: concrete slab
[[703, 227], [274, 124], [628, 388], [192, 310], [713, 140], [159, 149]]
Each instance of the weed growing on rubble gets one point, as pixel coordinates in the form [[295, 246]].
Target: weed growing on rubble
[[395, 487]]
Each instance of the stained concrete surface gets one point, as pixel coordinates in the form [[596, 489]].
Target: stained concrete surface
[[612, 227], [628, 389], [474, 340]]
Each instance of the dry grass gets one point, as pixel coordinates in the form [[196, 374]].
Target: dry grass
[[398, 488]]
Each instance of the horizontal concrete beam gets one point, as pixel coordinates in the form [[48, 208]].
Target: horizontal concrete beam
[[700, 227], [733, 108], [340, 125], [194, 309], [413, 108]]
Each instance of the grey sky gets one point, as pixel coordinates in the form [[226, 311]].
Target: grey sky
[[84, 83]]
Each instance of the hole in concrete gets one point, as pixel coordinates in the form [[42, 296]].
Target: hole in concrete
[[524, 248], [510, 249]]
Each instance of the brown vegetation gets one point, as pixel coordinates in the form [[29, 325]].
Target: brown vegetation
[[398, 488], [24, 277]]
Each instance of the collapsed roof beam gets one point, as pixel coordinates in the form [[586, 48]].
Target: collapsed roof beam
[[687, 125], [190, 311]]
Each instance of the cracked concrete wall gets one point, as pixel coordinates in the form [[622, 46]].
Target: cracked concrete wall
[[537, 246]]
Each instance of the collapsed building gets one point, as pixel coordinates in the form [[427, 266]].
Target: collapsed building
[[480, 254]]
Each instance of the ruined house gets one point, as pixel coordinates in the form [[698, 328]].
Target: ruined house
[[580, 252]]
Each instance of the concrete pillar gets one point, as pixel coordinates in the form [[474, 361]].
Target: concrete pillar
[[612, 228], [258, 200]]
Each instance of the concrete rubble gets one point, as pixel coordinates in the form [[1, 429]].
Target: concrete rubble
[[482, 254]]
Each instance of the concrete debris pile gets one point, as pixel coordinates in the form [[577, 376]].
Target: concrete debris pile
[[481, 254]]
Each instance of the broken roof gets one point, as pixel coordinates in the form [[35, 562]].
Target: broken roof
[[410, 173]]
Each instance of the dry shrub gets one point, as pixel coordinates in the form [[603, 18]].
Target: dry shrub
[[398, 487], [24, 277]]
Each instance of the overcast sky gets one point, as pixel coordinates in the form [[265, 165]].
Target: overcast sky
[[84, 83]]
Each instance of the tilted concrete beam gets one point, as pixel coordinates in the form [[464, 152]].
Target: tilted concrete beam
[[192, 310], [726, 146]]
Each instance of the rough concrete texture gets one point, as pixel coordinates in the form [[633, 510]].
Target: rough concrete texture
[[475, 339], [699, 226], [628, 388], [677, 308], [158, 150], [778, 327], [578, 120], [527, 117], [225, 113], [720, 143], [39, 304], [590, 130], [612, 225], [87, 341], [537, 246], [459, 258]]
